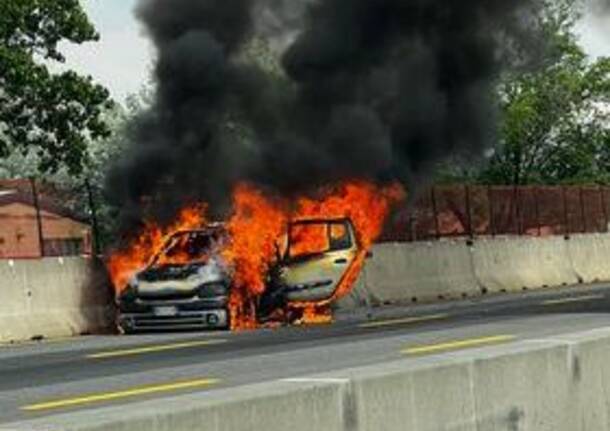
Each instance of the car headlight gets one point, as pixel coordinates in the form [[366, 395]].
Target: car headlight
[[211, 290]]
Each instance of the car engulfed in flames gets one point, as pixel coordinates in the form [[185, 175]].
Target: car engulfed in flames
[[187, 285], [271, 262]]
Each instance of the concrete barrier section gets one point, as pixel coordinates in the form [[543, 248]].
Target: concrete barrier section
[[420, 271], [60, 297], [590, 370], [511, 264], [590, 256], [522, 387], [52, 297], [428, 271], [13, 301], [265, 406], [403, 397], [527, 389], [558, 384]]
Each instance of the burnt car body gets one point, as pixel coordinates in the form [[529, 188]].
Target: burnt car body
[[317, 255], [311, 262], [169, 295]]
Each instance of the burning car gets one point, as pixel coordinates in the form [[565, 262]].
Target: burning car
[[184, 286], [187, 285]]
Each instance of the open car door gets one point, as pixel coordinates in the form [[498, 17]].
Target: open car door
[[319, 254]]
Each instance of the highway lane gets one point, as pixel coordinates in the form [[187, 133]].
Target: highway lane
[[55, 377]]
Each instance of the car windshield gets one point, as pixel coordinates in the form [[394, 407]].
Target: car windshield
[[188, 247]]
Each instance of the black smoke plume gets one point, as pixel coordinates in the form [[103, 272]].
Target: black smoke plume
[[373, 89]]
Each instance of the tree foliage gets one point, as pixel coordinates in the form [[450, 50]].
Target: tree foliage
[[53, 115], [555, 120]]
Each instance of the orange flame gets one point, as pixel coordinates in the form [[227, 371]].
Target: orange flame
[[316, 315], [258, 222], [367, 206], [308, 239], [124, 264], [256, 225]]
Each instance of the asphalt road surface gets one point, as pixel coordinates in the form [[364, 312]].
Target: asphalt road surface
[[45, 378]]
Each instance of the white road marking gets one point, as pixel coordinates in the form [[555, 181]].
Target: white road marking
[[315, 380]]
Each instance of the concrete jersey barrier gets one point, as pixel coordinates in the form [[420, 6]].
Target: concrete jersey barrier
[[59, 296], [52, 297], [13, 302], [557, 384], [590, 256], [516, 263], [429, 271], [419, 272]]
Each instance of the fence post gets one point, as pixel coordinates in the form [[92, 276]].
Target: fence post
[[434, 210], [518, 220], [537, 210], [582, 209], [412, 231], [604, 209], [94, 226], [468, 212], [492, 226], [38, 217], [566, 222]]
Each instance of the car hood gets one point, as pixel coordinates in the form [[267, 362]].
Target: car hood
[[169, 272], [168, 278]]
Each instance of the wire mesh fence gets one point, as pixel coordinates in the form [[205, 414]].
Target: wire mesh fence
[[471, 211], [39, 219]]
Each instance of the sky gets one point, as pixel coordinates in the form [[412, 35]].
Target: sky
[[122, 60], [594, 32]]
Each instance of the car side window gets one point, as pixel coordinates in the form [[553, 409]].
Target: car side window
[[308, 239], [339, 236], [315, 238]]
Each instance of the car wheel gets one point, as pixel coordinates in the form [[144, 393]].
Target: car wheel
[[123, 328]]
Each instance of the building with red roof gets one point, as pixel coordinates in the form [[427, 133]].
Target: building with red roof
[[51, 230]]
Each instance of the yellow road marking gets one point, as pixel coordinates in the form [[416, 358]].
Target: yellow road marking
[[153, 349], [456, 345], [407, 320], [109, 396], [572, 299]]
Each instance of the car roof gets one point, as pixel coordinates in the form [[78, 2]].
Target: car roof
[[209, 229], [315, 220], [220, 227]]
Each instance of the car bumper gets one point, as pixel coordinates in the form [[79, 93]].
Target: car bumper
[[180, 320]]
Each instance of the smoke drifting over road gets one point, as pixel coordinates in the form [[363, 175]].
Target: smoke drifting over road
[[377, 90]]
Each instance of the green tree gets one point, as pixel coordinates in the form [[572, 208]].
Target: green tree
[[51, 115], [555, 120], [98, 157]]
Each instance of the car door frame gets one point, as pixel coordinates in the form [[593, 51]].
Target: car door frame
[[348, 254]]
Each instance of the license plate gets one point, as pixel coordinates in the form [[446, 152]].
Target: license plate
[[165, 311]]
